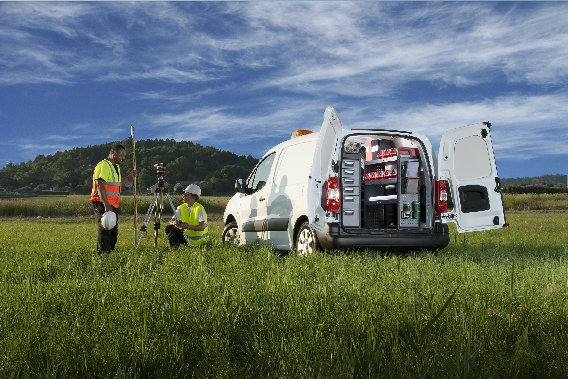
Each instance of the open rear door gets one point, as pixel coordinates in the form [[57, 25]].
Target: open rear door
[[326, 149], [467, 162]]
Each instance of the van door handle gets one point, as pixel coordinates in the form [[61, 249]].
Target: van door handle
[[261, 199]]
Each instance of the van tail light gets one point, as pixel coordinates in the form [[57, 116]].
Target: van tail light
[[440, 197], [333, 196]]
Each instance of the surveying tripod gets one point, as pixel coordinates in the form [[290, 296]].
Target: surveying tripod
[[157, 206]]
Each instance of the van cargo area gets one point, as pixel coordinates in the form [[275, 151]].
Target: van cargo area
[[386, 184], [386, 195]]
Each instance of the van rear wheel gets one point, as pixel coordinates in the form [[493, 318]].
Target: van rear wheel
[[306, 240], [229, 234]]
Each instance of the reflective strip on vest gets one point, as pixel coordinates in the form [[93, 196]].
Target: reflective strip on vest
[[112, 185], [198, 237]]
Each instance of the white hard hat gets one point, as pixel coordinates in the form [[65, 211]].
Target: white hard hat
[[108, 221], [194, 189]]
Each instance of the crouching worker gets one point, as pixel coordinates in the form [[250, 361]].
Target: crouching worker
[[189, 224]]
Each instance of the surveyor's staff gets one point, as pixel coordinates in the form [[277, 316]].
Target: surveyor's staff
[[134, 183]]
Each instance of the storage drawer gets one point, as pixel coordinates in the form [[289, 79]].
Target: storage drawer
[[351, 173], [351, 191], [351, 211], [350, 181], [350, 163]]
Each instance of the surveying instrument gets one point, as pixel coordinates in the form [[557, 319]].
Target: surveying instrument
[[157, 205]]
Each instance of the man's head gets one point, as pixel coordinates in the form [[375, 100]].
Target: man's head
[[117, 153], [191, 193]]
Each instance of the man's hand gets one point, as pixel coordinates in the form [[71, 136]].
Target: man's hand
[[129, 178], [132, 175]]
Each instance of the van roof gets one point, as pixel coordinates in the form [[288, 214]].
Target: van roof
[[293, 141]]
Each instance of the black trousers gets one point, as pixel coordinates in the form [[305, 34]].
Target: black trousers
[[175, 236], [106, 240]]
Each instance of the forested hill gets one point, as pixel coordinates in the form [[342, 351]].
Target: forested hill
[[549, 180], [185, 161]]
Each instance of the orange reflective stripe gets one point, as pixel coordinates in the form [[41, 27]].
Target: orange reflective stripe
[[113, 200], [113, 194], [109, 188]]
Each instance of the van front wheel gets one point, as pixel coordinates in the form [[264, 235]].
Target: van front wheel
[[306, 240], [229, 234]]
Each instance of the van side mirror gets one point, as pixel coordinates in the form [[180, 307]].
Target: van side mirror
[[240, 185]]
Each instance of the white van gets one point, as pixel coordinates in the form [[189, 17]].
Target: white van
[[344, 188]]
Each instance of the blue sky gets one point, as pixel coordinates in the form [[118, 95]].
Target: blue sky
[[241, 76]]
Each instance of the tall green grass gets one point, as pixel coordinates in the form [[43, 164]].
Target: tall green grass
[[492, 304], [80, 206], [525, 202]]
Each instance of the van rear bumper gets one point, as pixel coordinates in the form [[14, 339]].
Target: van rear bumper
[[333, 237]]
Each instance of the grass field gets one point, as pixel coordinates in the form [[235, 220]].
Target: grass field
[[80, 206], [492, 304]]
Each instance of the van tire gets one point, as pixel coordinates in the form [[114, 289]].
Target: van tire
[[229, 234], [306, 240]]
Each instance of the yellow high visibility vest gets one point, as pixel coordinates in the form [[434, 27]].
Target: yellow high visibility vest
[[105, 170], [194, 237]]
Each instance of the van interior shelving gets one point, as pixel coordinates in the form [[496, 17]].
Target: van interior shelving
[[385, 183]]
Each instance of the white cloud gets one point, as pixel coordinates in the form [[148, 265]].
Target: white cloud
[[310, 44], [248, 73], [45, 149], [167, 74], [243, 133], [523, 127], [454, 44]]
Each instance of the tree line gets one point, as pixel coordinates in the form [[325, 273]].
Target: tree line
[[537, 184], [71, 170], [557, 180]]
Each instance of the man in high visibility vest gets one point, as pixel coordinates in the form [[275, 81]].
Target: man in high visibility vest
[[190, 220], [105, 195]]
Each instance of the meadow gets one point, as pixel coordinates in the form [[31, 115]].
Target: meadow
[[491, 304]]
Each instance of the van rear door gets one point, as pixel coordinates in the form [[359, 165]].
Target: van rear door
[[467, 162], [326, 150]]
